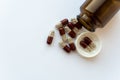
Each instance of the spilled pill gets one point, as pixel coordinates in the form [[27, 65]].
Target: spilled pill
[[50, 37], [65, 47], [70, 32], [71, 44]]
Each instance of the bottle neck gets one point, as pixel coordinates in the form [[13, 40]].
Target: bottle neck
[[89, 22]]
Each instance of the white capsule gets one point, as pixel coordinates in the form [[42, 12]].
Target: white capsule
[[64, 38], [88, 49], [70, 32], [67, 29], [59, 25], [74, 20], [70, 40], [62, 44], [52, 33], [76, 30], [65, 47], [92, 46]]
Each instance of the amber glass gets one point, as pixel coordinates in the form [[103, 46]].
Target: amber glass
[[97, 13]]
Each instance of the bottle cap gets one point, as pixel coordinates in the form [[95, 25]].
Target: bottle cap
[[92, 50]]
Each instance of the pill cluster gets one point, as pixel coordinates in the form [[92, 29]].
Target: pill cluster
[[87, 44], [68, 30]]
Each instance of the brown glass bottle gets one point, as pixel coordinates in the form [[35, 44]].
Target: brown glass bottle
[[97, 13]]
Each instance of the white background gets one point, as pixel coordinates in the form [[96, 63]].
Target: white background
[[24, 55]]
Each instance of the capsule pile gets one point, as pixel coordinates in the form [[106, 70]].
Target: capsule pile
[[87, 44], [68, 30]]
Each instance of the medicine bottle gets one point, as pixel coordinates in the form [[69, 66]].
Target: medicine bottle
[[97, 13]]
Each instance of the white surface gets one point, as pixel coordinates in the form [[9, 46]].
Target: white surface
[[94, 51], [24, 55]]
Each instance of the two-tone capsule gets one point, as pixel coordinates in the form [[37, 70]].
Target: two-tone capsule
[[89, 42], [84, 46], [63, 34], [70, 32], [65, 47], [71, 25], [62, 23], [76, 30], [71, 44], [50, 37], [74, 20], [77, 26]]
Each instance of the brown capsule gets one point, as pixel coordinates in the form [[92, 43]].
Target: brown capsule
[[62, 34], [64, 21], [61, 31], [70, 32], [71, 44], [65, 47], [83, 44], [70, 25], [50, 38], [78, 25], [87, 40]]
